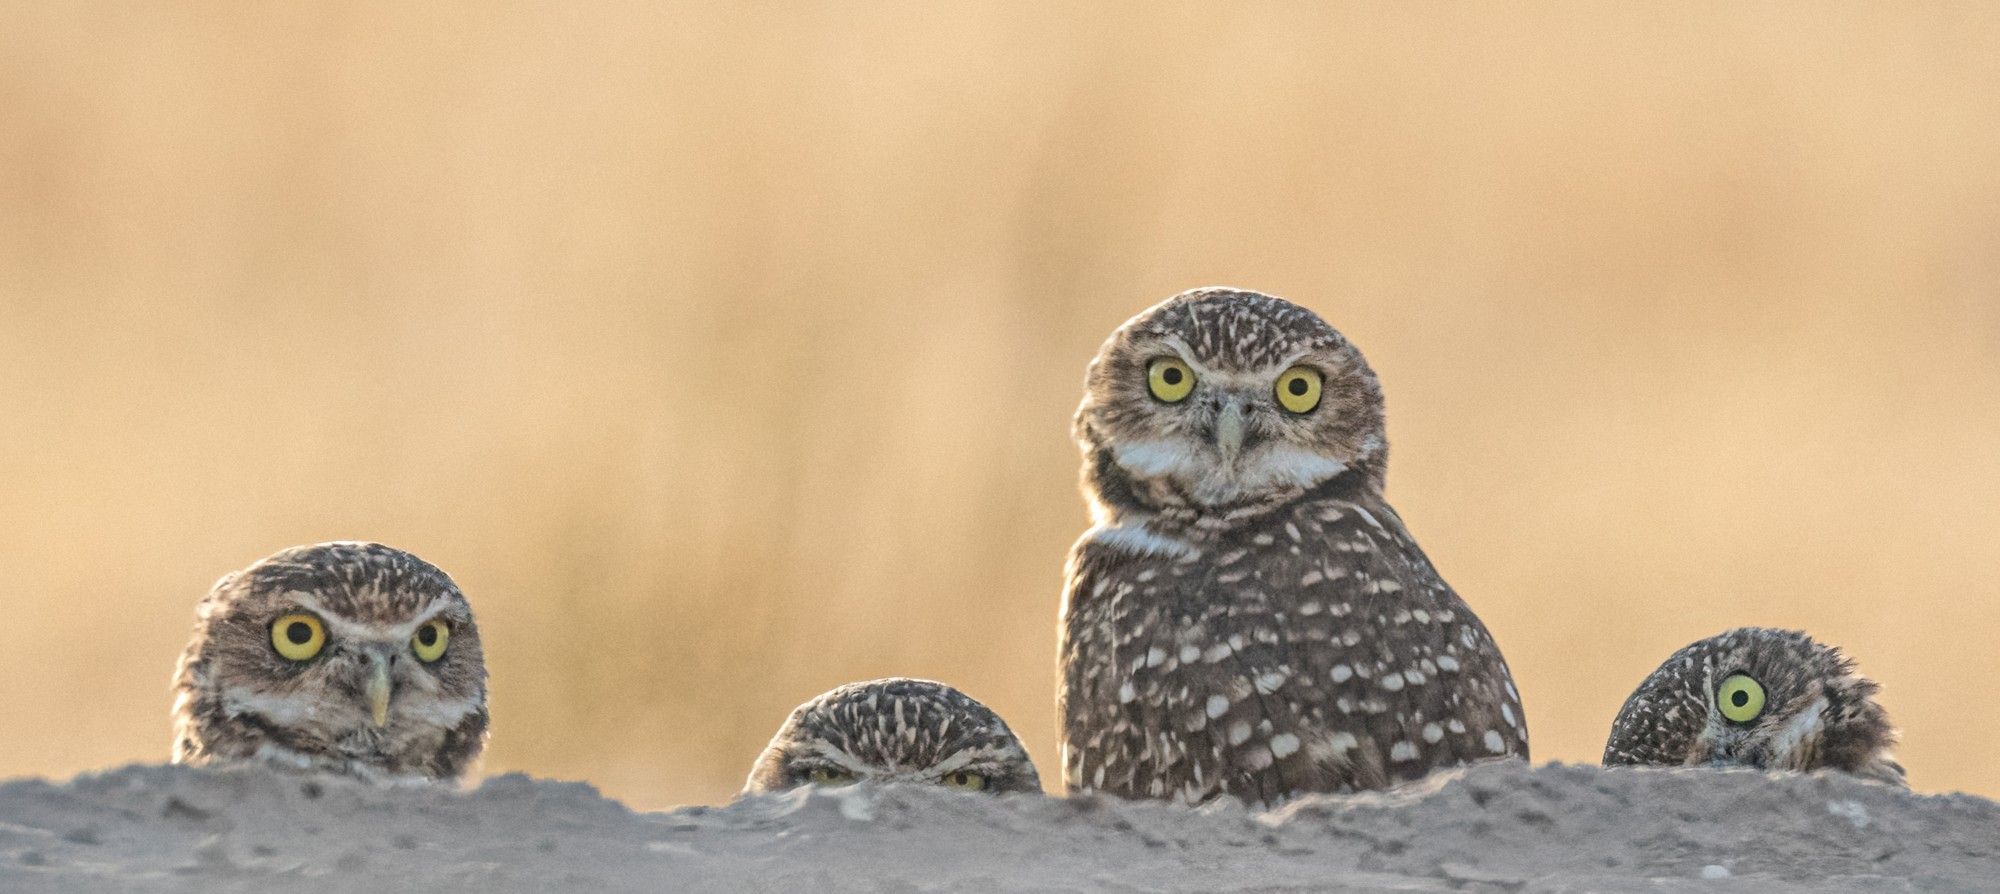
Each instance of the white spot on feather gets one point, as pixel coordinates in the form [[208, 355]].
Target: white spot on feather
[[1370, 518], [1256, 759]]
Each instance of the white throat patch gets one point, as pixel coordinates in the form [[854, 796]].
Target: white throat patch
[[1269, 467]]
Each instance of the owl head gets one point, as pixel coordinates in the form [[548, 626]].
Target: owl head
[[1757, 697], [1219, 398], [894, 730], [354, 657]]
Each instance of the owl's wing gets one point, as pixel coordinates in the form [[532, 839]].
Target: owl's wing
[[1097, 590], [1660, 721], [1350, 662]]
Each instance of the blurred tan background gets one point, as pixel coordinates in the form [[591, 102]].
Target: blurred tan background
[[725, 353]]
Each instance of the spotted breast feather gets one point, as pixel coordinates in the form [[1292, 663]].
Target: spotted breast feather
[[1314, 649]]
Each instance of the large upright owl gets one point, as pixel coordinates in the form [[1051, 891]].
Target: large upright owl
[[1247, 616], [355, 658], [1757, 697]]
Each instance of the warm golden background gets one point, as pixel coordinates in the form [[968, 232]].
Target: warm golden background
[[725, 353]]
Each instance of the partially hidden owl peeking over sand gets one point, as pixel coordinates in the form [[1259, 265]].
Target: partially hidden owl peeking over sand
[[899, 730], [1761, 698], [354, 658], [1248, 616]]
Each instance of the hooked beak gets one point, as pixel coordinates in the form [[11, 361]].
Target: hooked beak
[[378, 688], [1229, 423]]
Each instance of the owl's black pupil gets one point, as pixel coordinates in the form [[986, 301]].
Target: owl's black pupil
[[299, 632], [428, 635], [1170, 376], [1739, 698], [1298, 387]]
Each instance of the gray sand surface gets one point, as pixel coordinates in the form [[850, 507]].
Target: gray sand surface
[[1503, 827]]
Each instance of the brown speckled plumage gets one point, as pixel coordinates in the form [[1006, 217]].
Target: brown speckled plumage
[[894, 730], [1248, 616], [236, 697], [1819, 712]]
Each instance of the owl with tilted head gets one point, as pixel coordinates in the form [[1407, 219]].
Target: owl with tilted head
[[899, 730], [1757, 697], [1247, 616], [354, 658]]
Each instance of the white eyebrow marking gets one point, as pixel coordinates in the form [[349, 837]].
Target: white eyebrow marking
[[956, 760], [387, 633], [838, 756], [1251, 378]]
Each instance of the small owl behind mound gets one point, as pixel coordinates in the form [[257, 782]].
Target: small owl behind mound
[[1757, 697], [894, 730], [354, 658]]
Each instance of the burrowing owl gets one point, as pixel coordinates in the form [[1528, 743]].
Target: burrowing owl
[[1248, 617], [350, 657], [894, 730], [1757, 697]]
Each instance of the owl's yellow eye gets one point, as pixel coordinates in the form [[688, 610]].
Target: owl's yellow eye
[[965, 780], [1740, 698], [1298, 389], [298, 636], [429, 641], [829, 776], [1170, 379]]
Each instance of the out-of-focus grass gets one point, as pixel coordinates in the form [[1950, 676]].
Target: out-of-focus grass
[[726, 353]]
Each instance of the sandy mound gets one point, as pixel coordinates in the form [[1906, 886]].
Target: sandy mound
[[1500, 827]]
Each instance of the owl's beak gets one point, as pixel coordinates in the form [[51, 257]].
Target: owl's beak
[[378, 689], [1229, 429]]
